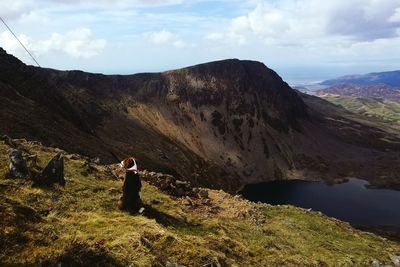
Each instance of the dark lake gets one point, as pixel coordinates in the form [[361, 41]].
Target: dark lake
[[352, 202]]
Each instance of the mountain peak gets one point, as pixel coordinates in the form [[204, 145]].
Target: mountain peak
[[228, 68]]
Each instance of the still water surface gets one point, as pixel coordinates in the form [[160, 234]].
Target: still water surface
[[352, 201]]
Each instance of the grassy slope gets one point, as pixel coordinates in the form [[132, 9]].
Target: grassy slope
[[382, 109], [79, 224]]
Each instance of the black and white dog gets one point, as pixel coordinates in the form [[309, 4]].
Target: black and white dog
[[130, 199]]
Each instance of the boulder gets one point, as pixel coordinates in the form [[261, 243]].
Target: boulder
[[8, 141], [18, 167], [53, 172]]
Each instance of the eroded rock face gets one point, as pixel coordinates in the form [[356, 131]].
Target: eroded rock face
[[18, 167], [53, 172]]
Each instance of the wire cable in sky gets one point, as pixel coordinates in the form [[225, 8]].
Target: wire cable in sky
[[19, 41]]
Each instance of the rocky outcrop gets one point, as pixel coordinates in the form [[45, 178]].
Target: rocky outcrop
[[168, 183], [53, 172], [18, 166]]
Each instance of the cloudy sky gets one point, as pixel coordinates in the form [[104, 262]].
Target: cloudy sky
[[300, 39]]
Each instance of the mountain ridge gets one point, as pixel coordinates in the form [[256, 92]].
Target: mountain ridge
[[221, 124], [391, 78]]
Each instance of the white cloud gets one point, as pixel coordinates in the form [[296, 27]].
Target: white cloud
[[161, 37], [265, 22], [166, 38], [302, 21], [396, 16], [79, 43], [364, 19], [284, 32], [12, 9]]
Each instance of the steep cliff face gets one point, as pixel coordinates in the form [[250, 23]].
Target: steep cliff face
[[220, 124], [235, 113]]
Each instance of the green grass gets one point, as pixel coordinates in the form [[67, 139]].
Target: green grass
[[81, 225], [382, 109]]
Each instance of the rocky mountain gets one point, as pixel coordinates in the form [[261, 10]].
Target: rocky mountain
[[220, 124], [391, 78]]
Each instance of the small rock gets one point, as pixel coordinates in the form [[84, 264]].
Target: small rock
[[73, 156], [18, 167], [53, 172], [395, 259], [203, 193], [188, 202], [178, 182], [376, 263], [95, 160], [8, 141], [37, 143], [58, 150]]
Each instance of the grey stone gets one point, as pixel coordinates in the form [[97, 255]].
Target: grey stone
[[395, 259], [18, 167], [95, 160], [35, 143], [178, 182], [53, 172], [73, 156], [376, 263]]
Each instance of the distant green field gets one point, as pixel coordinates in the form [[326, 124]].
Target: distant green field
[[379, 108]]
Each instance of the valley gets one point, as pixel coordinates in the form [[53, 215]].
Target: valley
[[215, 128], [221, 125]]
